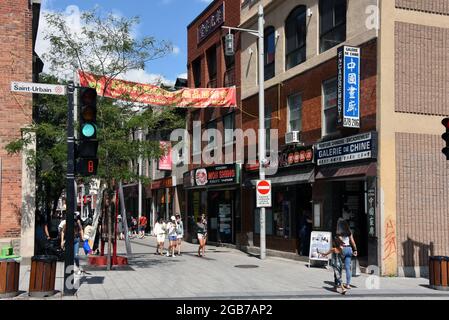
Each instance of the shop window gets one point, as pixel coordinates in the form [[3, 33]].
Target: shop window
[[295, 34], [268, 221], [228, 124], [332, 23], [294, 113], [270, 52], [196, 70], [329, 107]]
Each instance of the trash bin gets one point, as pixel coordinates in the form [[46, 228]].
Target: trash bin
[[43, 276], [439, 272], [9, 277]]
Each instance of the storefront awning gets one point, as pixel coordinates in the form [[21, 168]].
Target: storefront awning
[[332, 172], [304, 177]]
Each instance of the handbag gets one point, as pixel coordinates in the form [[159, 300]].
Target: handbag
[[86, 247]]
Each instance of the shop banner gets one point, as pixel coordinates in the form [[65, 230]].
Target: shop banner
[[156, 96], [348, 92], [162, 183], [204, 177], [359, 147], [289, 157], [165, 162]]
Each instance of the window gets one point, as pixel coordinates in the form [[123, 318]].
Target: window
[[228, 124], [294, 113], [329, 107], [267, 128], [212, 67], [295, 34], [211, 136], [196, 70], [270, 52], [332, 23]]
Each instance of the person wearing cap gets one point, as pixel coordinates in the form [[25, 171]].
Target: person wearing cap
[[172, 236]]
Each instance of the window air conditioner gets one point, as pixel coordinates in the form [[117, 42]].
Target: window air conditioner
[[292, 137]]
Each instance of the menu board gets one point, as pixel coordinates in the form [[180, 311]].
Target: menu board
[[225, 222], [320, 242]]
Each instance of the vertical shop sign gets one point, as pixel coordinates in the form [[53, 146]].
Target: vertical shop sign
[[371, 206], [348, 91]]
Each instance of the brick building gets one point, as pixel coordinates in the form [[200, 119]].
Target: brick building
[[208, 66], [394, 194], [18, 62]]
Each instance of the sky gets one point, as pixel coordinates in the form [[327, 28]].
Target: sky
[[163, 19]]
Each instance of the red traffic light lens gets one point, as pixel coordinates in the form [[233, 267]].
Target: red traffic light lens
[[445, 122]]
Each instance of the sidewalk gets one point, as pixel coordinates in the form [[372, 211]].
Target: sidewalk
[[223, 273]]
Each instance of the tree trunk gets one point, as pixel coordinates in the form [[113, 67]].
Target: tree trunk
[[109, 262]]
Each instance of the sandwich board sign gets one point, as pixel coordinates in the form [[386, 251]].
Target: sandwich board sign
[[263, 193], [320, 242], [38, 88]]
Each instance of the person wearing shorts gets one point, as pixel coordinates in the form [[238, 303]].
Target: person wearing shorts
[[179, 232], [172, 236], [159, 231], [201, 235]]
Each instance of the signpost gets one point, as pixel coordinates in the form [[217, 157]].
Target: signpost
[[263, 193]]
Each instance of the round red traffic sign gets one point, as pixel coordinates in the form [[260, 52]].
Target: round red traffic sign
[[263, 187]]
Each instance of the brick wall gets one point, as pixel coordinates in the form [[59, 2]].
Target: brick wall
[[422, 193], [422, 69], [431, 6], [309, 84], [15, 109]]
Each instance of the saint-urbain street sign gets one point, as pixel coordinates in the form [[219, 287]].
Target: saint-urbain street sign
[[39, 88]]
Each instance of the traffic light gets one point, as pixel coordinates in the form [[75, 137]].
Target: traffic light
[[86, 151], [445, 137]]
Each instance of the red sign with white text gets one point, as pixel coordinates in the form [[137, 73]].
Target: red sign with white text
[[165, 162]]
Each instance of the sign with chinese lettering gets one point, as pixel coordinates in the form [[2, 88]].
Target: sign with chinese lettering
[[291, 156], [371, 206], [156, 96], [165, 162], [348, 87], [211, 24], [359, 147]]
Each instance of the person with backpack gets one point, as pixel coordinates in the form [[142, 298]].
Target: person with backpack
[[179, 232]]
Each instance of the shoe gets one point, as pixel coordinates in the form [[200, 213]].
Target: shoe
[[168, 254], [173, 255]]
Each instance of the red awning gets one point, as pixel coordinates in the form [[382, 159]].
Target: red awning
[[332, 172]]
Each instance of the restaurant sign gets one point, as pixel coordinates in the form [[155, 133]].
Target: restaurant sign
[[289, 157], [359, 147], [204, 177]]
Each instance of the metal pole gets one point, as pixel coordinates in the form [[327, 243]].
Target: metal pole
[[140, 183], [124, 219], [262, 137], [70, 197]]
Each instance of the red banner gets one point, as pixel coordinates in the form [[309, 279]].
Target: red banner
[[156, 96], [165, 162]]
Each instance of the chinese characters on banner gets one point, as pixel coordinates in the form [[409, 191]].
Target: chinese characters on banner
[[156, 96], [165, 162], [348, 96], [215, 20]]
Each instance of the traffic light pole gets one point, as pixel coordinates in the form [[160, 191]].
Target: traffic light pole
[[70, 196]]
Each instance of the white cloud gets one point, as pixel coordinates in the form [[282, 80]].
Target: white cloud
[[142, 76], [176, 50], [182, 76]]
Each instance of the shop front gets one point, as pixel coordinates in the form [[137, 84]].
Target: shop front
[[345, 187], [291, 207], [215, 192], [162, 198]]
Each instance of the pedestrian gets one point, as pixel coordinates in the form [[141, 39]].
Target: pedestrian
[[88, 233], [120, 227], [133, 227], [42, 235], [142, 226], [160, 236], [78, 229], [172, 236], [201, 235], [336, 263], [348, 245], [179, 232]]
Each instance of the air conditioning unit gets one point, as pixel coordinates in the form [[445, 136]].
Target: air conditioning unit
[[292, 137]]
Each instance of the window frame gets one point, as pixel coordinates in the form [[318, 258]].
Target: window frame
[[324, 129], [196, 72], [231, 116], [293, 15], [269, 68], [289, 120], [335, 25]]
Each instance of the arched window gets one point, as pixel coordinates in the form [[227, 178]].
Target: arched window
[[295, 37], [270, 52]]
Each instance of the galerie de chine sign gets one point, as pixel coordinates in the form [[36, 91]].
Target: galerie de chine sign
[[359, 147]]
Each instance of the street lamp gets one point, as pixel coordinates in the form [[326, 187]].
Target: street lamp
[[262, 143]]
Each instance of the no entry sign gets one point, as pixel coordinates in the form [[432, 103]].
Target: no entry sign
[[263, 193]]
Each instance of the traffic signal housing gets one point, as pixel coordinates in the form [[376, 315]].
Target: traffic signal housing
[[445, 137], [86, 151]]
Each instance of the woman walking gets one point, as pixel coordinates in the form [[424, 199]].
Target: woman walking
[[201, 234], [179, 232], [159, 231], [348, 245], [172, 236]]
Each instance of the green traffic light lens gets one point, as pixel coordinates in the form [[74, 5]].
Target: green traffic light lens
[[88, 130]]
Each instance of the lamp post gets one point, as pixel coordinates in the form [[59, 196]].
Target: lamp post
[[262, 138]]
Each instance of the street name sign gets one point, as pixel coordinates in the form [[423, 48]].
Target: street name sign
[[39, 88], [263, 193]]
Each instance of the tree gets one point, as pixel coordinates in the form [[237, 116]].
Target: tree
[[105, 46]]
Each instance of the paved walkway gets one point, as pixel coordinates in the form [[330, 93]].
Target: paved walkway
[[217, 276]]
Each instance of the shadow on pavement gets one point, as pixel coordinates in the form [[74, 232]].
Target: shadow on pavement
[[92, 280], [331, 283]]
